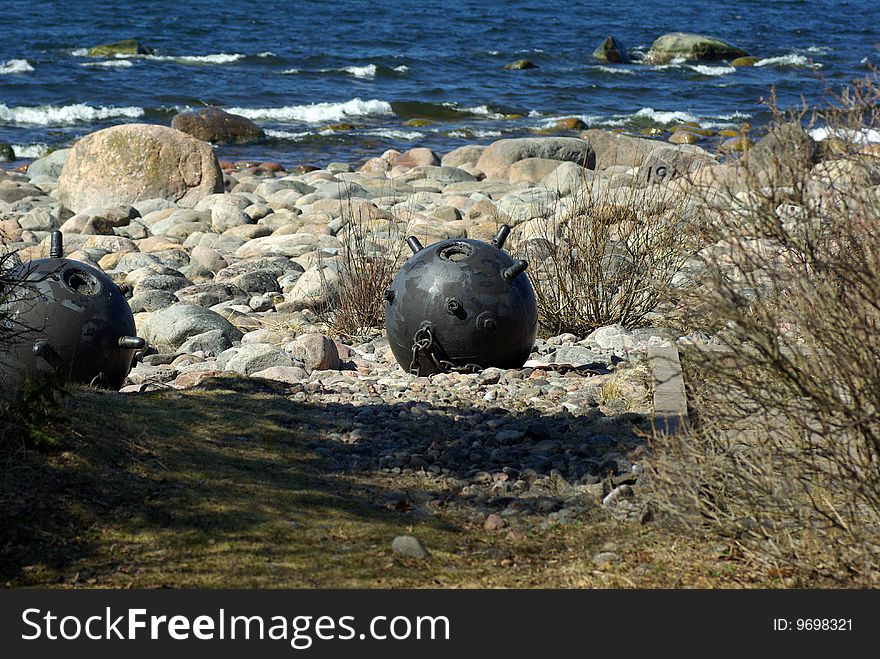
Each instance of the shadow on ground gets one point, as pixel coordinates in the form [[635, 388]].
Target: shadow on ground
[[234, 484]]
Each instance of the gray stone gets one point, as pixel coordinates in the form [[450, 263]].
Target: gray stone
[[606, 558], [172, 326], [50, 165], [613, 337], [209, 294], [211, 343], [254, 357], [288, 374], [409, 546], [151, 300], [316, 351]]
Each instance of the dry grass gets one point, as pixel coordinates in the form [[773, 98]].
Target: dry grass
[[218, 487], [784, 457], [356, 304], [605, 256]]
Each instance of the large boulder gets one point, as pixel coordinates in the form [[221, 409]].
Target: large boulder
[[126, 163], [671, 162], [171, 327], [611, 50], [217, 126], [783, 154], [690, 46], [498, 157], [617, 149]]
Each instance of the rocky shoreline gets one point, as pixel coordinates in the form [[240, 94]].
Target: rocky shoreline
[[228, 268]]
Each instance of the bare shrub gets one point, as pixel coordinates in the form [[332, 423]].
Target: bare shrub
[[784, 453], [605, 255], [356, 303]]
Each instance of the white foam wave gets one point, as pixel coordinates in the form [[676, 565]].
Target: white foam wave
[[290, 72], [712, 70], [483, 111], [663, 117], [37, 150], [15, 66], [215, 58], [864, 136], [80, 52], [792, 59], [403, 68], [368, 71], [615, 69], [390, 133], [474, 133], [317, 112], [285, 134], [267, 53], [109, 63], [53, 115]]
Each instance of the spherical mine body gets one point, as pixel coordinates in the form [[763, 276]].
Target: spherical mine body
[[464, 304], [66, 319]]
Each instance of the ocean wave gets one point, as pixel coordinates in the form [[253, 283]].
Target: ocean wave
[[864, 136], [291, 72], [468, 134], [712, 70], [66, 115], [15, 66], [393, 134], [792, 59], [109, 63], [285, 134], [368, 71], [614, 69], [37, 150], [665, 117], [317, 112], [403, 68], [212, 58], [481, 110], [215, 58], [651, 116]]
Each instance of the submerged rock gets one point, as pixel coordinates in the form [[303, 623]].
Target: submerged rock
[[520, 65], [611, 50], [217, 126], [124, 47], [690, 46]]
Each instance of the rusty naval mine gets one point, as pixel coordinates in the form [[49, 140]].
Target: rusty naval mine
[[461, 305], [68, 320]]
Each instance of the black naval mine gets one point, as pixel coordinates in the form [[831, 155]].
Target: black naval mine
[[68, 320], [461, 305]]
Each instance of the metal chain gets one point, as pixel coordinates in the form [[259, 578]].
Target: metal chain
[[423, 341]]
